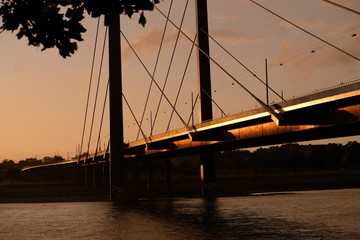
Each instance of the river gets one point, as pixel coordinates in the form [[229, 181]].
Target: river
[[325, 214]]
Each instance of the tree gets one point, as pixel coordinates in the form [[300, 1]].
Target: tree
[[6, 163], [57, 23], [54, 159], [28, 162], [57, 158]]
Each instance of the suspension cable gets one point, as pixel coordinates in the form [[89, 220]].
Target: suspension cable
[[97, 90], [89, 89], [169, 67], [181, 84], [207, 94], [157, 85], [192, 109], [102, 118], [243, 65], [343, 7], [133, 115], [155, 67], [293, 24], [269, 109]]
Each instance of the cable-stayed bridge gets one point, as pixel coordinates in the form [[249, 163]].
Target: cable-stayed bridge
[[323, 114]]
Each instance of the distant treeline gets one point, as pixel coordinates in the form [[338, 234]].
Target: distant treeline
[[289, 157], [293, 157], [11, 170]]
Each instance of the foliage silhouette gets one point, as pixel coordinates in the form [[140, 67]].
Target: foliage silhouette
[[57, 23]]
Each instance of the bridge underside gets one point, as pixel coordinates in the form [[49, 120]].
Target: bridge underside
[[255, 135]]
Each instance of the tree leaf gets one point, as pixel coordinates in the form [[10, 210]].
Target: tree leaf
[[142, 19]]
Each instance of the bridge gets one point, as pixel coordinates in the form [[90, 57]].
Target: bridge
[[328, 113]]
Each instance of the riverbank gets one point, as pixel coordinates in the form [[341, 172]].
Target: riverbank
[[287, 181], [27, 192], [229, 183]]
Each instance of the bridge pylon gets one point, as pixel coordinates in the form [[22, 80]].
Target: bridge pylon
[[117, 163], [207, 159]]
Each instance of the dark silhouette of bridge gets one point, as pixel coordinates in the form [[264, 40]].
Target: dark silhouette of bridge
[[330, 113]]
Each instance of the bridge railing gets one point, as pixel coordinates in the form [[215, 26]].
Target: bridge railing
[[327, 88]]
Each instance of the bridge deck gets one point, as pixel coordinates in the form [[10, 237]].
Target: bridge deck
[[296, 112]]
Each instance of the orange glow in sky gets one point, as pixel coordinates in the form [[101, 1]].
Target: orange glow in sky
[[43, 96]]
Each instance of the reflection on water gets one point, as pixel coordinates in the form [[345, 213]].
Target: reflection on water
[[331, 214]]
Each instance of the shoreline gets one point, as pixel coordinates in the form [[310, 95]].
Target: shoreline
[[154, 198], [41, 192], [185, 187]]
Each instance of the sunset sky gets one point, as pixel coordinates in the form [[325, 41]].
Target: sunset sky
[[43, 96]]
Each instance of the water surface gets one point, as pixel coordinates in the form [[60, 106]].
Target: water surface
[[330, 214]]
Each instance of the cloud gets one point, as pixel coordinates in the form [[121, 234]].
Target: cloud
[[149, 42], [234, 37], [299, 63], [305, 62], [225, 18], [145, 43], [317, 27], [345, 30], [308, 23]]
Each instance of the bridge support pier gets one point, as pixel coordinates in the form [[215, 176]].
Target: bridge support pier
[[89, 176], [208, 174], [149, 174], [135, 168], [94, 175], [168, 175], [105, 169], [77, 174], [84, 176], [98, 175]]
